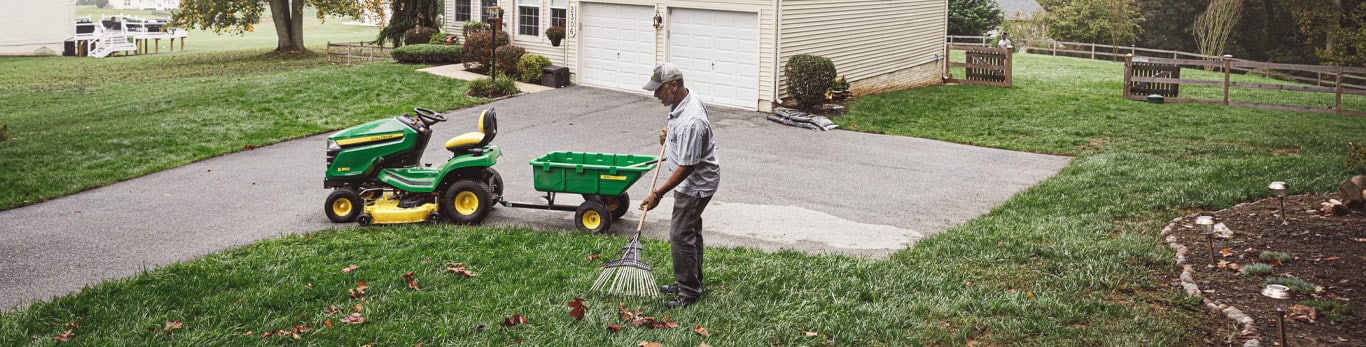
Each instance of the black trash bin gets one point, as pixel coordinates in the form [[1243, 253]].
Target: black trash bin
[[555, 76]]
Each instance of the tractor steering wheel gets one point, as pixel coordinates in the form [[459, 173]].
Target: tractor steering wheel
[[428, 116]]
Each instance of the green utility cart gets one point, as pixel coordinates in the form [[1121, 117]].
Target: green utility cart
[[602, 179]]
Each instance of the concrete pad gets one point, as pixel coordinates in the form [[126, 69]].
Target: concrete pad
[[457, 71]]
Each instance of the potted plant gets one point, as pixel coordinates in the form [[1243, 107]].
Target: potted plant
[[555, 34], [840, 88]]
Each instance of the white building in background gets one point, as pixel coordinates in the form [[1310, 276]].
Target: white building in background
[[161, 5], [36, 27]]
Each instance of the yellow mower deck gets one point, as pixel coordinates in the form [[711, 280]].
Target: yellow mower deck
[[385, 210]]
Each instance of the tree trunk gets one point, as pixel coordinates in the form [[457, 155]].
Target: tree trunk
[[289, 29]]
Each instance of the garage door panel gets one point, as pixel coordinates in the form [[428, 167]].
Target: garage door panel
[[618, 45], [719, 54]]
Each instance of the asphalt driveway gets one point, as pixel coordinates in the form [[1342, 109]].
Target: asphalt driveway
[[782, 188]]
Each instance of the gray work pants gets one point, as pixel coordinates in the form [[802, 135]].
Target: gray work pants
[[685, 243]]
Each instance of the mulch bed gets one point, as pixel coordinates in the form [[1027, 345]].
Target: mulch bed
[[1329, 251]]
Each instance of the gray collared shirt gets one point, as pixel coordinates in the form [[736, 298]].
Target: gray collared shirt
[[691, 143]]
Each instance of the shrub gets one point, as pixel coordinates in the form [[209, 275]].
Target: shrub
[[472, 28], [529, 67], [4, 132], [508, 56], [1297, 285], [477, 50], [427, 54], [1275, 258], [418, 35], [1356, 157], [1257, 269], [808, 77], [1332, 310], [102, 3], [492, 88], [440, 38]]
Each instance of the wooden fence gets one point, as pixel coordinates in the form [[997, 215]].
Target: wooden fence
[[987, 66], [1321, 78], [350, 53], [1150, 75]]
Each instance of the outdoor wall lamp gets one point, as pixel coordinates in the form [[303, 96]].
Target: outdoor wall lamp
[[659, 21], [1206, 224], [1280, 296], [1279, 187]]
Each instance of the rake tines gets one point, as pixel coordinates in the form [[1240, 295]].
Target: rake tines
[[628, 275]]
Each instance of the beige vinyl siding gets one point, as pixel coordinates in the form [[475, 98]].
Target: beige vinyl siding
[[540, 45], [37, 27], [864, 38]]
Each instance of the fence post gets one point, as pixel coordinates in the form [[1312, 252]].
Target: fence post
[[1128, 75], [1093, 52], [1337, 93], [1054, 46], [1227, 62], [1010, 58]]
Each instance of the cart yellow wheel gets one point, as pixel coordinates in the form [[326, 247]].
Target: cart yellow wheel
[[465, 202], [592, 216], [618, 204]]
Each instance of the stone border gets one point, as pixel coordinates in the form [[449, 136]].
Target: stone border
[[1188, 283]]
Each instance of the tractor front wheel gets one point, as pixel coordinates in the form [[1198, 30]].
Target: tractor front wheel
[[466, 202], [343, 205]]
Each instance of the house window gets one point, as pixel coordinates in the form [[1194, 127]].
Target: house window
[[558, 11], [528, 17], [484, 5], [462, 10]]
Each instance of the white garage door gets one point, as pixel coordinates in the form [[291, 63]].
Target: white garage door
[[618, 44], [718, 52]]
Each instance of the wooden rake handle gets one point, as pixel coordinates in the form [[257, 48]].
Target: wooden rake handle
[[653, 181]]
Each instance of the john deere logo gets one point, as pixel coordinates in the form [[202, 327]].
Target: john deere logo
[[612, 178]]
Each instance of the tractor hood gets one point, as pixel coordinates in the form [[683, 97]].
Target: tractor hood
[[387, 129]]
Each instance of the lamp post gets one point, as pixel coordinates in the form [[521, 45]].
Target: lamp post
[[1279, 187], [495, 21], [1206, 224], [1280, 296]]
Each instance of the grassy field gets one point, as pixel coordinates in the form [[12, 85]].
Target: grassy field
[[78, 123], [1074, 260]]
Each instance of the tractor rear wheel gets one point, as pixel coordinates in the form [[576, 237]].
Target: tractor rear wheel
[[466, 202]]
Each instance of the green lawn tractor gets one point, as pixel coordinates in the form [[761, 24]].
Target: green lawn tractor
[[375, 172]]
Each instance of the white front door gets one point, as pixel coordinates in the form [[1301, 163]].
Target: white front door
[[617, 45], [718, 52]]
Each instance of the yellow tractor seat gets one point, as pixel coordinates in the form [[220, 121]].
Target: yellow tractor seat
[[488, 128]]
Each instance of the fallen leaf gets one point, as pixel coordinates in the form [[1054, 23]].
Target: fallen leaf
[[348, 269], [1331, 258], [73, 325], [353, 319], [703, 344], [412, 282], [1223, 264], [1226, 252], [613, 328], [425, 261], [701, 331], [577, 308], [594, 256], [459, 269], [1029, 294], [328, 323], [478, 327], [247, 147], [515, 320], [664, 324], [332, 309], [64, 337], [625, 314], [356, 308], [640, 321], [1302, 312], [648, 344], [809, 333], [173, 325], [359, 290]]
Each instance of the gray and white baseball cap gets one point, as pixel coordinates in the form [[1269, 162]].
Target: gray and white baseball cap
[[664, 73]]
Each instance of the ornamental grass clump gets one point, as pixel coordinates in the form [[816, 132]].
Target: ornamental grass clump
[[493, 87], [1276, 258], [1258, 269]]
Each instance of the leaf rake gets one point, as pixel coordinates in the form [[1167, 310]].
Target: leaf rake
[[629, 274]]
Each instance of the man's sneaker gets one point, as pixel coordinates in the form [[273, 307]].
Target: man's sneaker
[[680, 302], [669, 288]]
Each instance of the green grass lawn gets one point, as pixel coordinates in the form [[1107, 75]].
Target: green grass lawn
[[1074, 260]]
